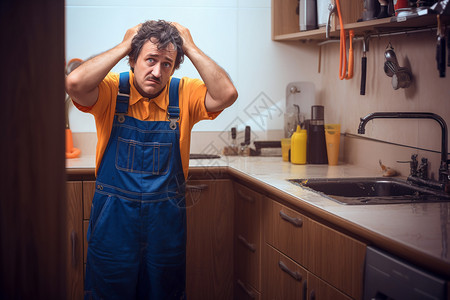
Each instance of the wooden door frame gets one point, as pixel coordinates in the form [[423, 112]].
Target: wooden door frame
[[32, 182]]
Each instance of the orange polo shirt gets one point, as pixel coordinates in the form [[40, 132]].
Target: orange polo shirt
[[192, 94]]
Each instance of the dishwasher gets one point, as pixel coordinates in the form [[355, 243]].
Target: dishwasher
[[387, 277]]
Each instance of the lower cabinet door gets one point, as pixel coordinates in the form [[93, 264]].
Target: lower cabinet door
[[283, 279], [75, 266], [209, 257]]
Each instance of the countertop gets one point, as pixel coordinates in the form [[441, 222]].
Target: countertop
[[418, 232]]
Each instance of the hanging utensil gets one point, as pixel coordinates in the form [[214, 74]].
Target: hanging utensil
[[345, 72], [440, 48], [401, 77], [362, 90], [391, 64]]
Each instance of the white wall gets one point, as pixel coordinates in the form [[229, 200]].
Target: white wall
[[235, 33]]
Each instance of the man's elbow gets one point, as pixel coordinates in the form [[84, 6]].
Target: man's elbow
[[72, 85], [78, 92], [232, 96]]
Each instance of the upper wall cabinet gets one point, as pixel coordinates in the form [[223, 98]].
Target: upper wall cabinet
[[285, 22]]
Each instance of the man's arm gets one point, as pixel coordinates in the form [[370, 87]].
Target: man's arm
[[221, 92], [82, 83]]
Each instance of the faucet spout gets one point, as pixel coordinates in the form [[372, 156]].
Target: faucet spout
[[443, 169]]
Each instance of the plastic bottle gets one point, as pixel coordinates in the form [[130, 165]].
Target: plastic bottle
[[317, 148], [298, 146]]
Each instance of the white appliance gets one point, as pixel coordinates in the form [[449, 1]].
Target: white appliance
[[322, 12]]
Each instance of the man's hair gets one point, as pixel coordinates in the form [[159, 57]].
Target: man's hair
[[165, 34]]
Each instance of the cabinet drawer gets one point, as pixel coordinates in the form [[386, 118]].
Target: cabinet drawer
[[247, 235], [243, 291], [320, 290], [336, 258], [283, 279], [285, 229]]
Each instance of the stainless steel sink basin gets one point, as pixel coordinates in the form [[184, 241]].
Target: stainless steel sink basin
[[363, 191]]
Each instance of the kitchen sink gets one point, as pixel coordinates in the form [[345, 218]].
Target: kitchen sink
[[373, 190]]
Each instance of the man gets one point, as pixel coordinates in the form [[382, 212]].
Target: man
[[136, 235]]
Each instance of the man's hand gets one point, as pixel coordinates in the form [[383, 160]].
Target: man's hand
[[82, 83], [129, 35], [221, 92], [185, 34]]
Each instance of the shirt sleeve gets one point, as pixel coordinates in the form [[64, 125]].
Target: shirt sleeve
[[195, 90], [106, 89]]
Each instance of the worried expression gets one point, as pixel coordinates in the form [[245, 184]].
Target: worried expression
[[153, 68]]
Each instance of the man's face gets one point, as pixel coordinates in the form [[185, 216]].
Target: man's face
[[153, 68]]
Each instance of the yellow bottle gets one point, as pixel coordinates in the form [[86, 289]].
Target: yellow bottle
[[298, 146]]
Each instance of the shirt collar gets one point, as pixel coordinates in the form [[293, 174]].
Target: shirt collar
[[161, 100]]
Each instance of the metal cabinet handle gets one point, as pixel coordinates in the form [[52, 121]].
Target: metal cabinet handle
[[295, 221], [245, 197], [294, 274], [196, 188], [246, 290], [250, 246], [305, 289], [312, 295], [73, 239]]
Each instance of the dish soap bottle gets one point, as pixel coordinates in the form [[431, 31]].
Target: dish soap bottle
[[298, 146]]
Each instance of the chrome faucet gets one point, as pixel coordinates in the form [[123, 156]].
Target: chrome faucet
[[443, 168]]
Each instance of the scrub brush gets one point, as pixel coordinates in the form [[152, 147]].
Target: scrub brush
[[387, 172]]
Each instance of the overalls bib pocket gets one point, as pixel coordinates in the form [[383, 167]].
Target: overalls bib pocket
[[143, 157]]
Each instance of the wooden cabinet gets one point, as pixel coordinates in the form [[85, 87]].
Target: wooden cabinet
[[338, 260], [79, 199], [74, 236], [241, 244], [285, 22], [247, 243], [209, 210]]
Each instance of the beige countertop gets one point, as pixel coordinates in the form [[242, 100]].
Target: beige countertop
[[418, 232]]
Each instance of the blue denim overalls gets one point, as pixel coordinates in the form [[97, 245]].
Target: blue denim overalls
[[137, 229]]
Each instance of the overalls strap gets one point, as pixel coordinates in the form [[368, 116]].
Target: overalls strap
[[123, 97], [173, 110]]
